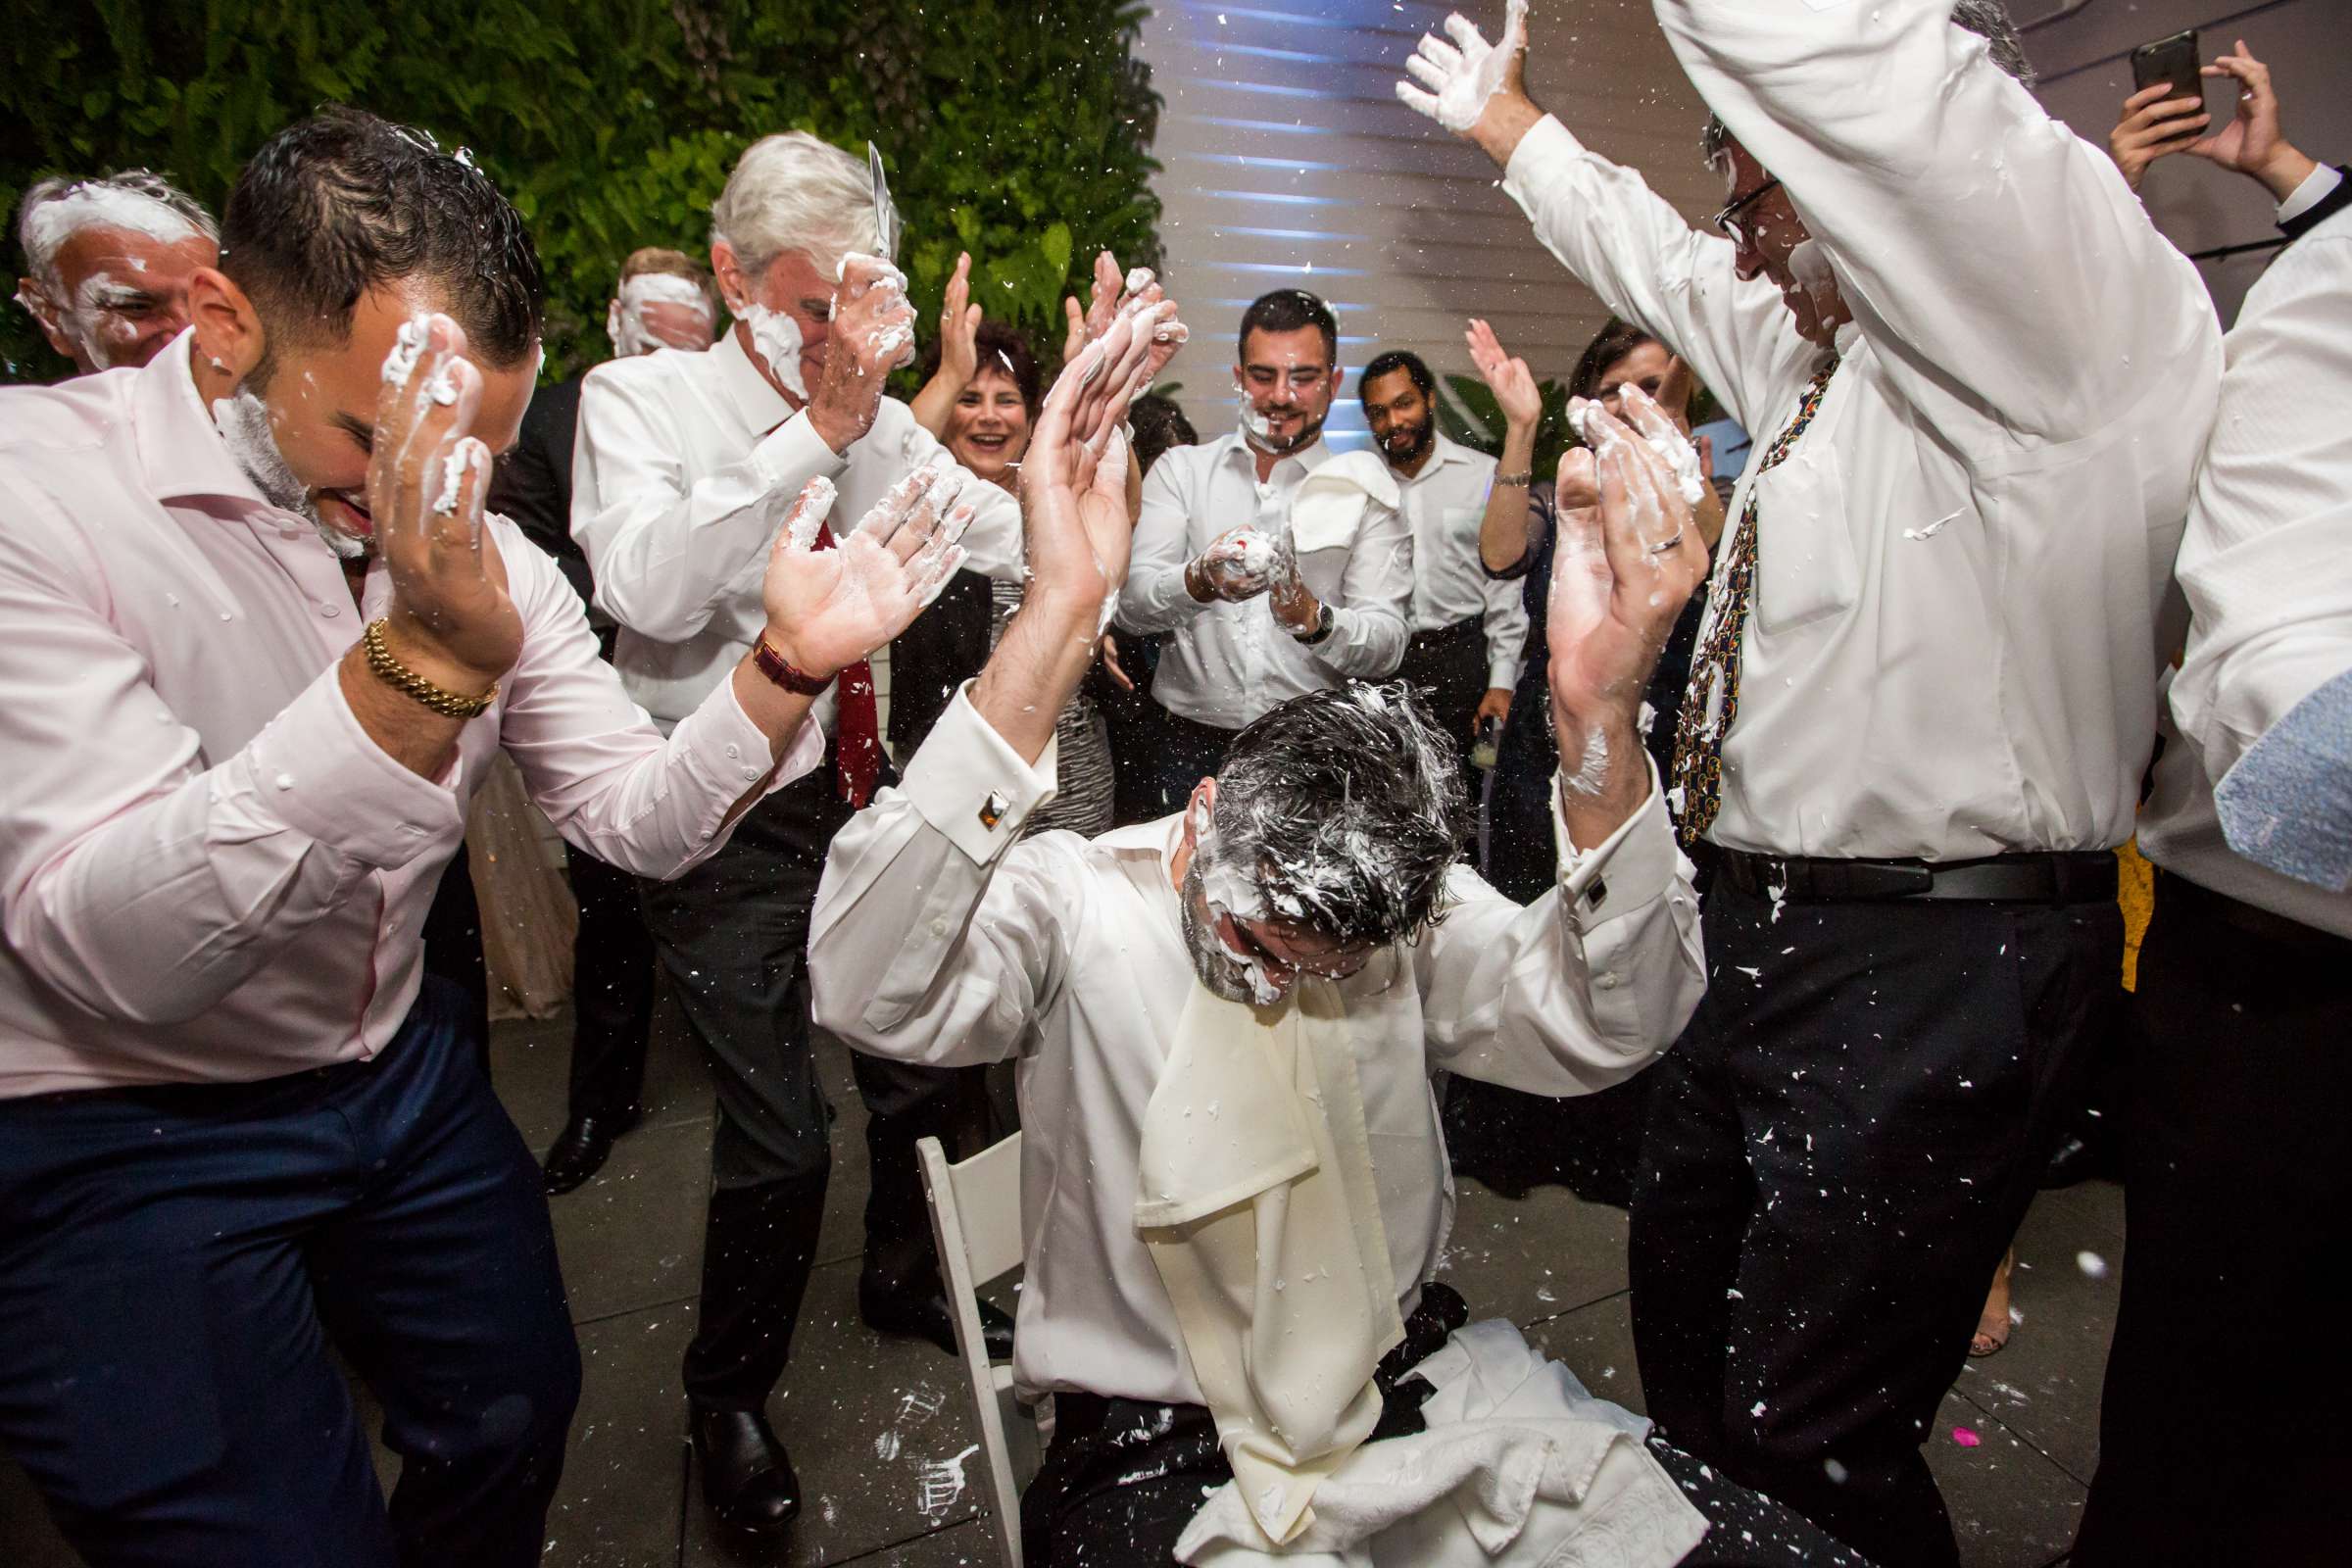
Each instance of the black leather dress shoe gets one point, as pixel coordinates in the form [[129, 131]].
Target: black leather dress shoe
[[748, 1482], [926, 1315], [580, 1149]]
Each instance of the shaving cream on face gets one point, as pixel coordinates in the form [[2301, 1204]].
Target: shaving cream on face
[[1255, 427], [624, 320], [777, 337], [244, 425]]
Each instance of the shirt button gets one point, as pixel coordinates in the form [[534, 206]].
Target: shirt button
[[751, 773], [1606, 982], [734, 752], [939, 928], [330, 611]]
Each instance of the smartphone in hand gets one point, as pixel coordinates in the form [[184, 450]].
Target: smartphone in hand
[[2174, 61]]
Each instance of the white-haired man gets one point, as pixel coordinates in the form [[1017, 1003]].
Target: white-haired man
[[685, 466], [106, 263], [1921, 704]]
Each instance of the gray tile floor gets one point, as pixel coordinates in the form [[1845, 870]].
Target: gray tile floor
[[2013, 1444]]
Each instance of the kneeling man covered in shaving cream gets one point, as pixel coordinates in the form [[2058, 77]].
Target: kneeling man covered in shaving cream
[[1234, 1186]]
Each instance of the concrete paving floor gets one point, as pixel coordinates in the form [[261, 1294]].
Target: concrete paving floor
[[864, 1416]]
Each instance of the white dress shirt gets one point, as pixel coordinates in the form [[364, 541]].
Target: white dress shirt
[[682, 472], [1950, 648], [1443, 505], [1229, 662], [2266, 564], [208, 870], [938, 939]]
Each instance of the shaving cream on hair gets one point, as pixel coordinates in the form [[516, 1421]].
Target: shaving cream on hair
[[624, 319]]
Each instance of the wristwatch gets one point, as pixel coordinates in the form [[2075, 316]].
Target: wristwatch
[[1322, 627]]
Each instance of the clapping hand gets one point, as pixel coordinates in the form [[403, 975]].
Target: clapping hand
[[1624, 567], [960, 328], [828, 609], [450, 617]]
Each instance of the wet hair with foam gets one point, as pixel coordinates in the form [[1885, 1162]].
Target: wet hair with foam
[[1346, 810], [345, 202], [40, 239]]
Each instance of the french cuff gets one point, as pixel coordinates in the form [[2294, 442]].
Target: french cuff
[[723, 745], [970, 784], [2315, 188], [317, 770], [793, 454], [1639, 859], [1542, 149]]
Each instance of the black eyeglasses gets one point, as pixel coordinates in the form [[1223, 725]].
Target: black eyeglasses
[[1726, 222]]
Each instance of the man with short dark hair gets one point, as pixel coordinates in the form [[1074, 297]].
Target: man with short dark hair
[[106, 263], [1277, 565], [1468, 629], [1922, 700], [236, 1120]]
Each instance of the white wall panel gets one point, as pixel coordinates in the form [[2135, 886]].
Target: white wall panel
[[1289, 162]]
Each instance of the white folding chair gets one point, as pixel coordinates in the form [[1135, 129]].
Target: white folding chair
[[976, 1219]]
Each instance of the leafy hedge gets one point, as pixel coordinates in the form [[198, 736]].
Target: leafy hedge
[[1018, 130]]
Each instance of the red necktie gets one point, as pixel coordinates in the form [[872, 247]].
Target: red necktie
[[857, 734]]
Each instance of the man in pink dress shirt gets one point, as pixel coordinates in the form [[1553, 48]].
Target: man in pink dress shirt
[[233, 1119]]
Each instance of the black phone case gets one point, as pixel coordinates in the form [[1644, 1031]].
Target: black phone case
[[2175, 60]]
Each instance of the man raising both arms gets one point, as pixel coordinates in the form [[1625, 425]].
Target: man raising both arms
[[1923, 696]]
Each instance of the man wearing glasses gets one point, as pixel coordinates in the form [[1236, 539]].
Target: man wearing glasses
[[1278, 566], [1921, 703]]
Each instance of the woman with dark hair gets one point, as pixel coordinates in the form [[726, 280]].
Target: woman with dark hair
[[1509, 1140], [980, 398]]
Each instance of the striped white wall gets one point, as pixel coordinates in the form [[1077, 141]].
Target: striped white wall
[[1287, 161]]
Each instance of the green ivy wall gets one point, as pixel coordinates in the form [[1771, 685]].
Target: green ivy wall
[[1018, 132]]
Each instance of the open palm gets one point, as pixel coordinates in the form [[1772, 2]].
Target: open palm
[[833, 606]]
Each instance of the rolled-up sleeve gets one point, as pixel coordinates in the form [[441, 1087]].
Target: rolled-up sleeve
[[938, 936], [1579, 989]]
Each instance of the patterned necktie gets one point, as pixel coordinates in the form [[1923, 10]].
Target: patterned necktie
[[1711, 700], [857, 734]]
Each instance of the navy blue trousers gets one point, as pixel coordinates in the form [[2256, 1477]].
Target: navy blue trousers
[[174, 1262]]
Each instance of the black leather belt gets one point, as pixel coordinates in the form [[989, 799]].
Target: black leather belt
[[2053, 877], [1439, 637], [2177, 892]]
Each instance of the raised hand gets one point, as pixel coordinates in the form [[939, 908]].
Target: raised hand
[[1458, 80], [828, 609], [450, 617], [960, 328], [2153, 126], [2252, 142], [1623, 568], [872, 333], [1509, 379], [1074, 478]]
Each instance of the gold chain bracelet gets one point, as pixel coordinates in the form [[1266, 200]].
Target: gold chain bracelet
[[401, 679]]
